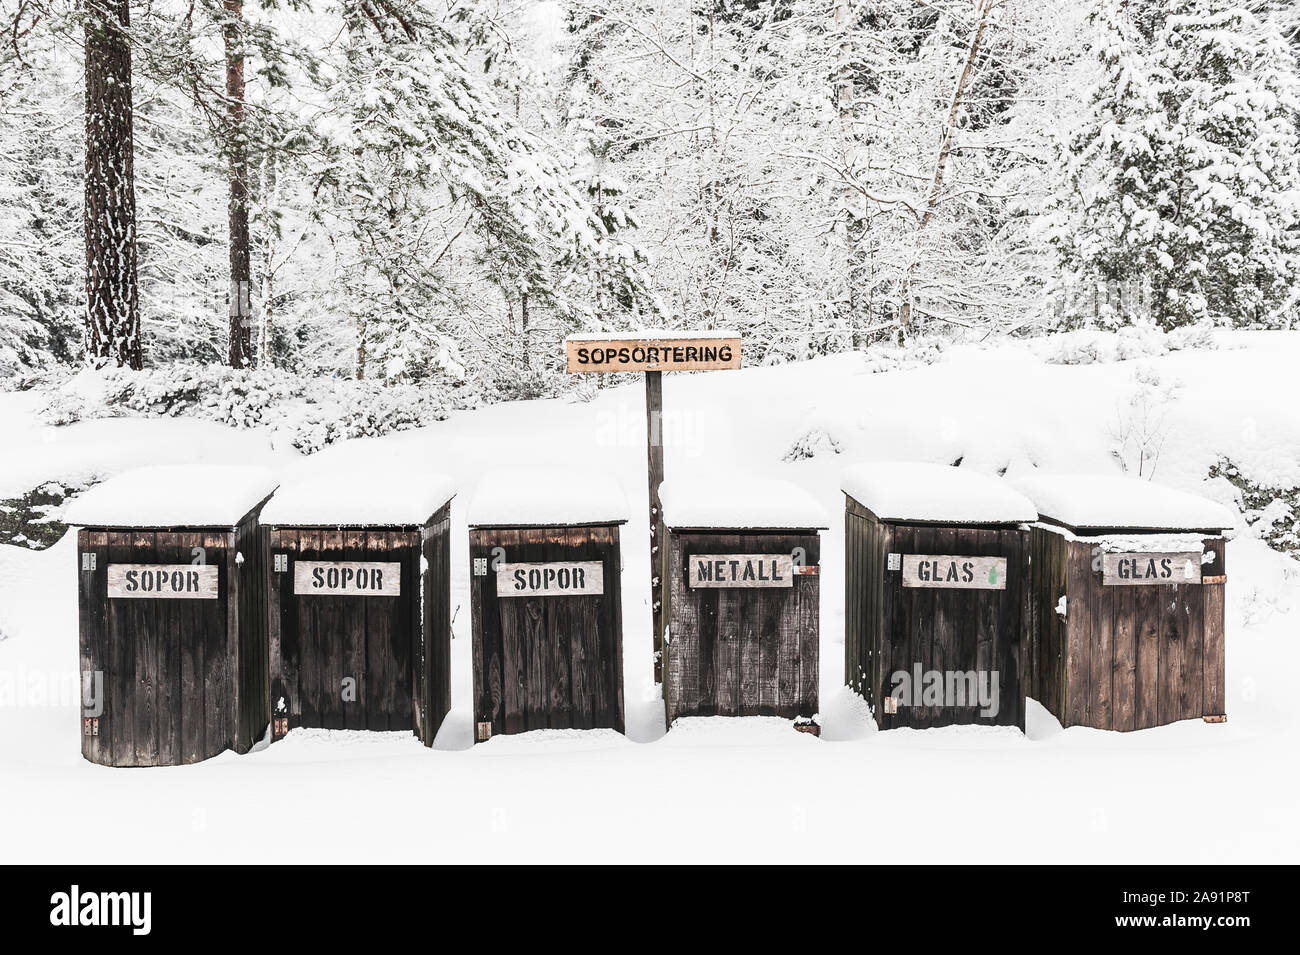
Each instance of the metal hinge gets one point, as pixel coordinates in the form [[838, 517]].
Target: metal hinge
[[893, 561], [88, 561], [484, 731], [90, 726], [281, 563], [890, 704], [480, 566], [807, 570]]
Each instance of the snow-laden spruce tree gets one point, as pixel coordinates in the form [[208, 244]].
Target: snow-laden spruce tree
[[430, 172], [42, 259], [1180, 198], [1106, 217], [1231, 249]]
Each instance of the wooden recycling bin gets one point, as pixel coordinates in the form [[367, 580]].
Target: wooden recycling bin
[[743, 593], [172, 607], [545, 602], [359, 583], [1126, 626], [935, 590]]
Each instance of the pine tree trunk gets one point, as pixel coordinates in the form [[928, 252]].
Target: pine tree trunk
[[241, 268], [112, 295]]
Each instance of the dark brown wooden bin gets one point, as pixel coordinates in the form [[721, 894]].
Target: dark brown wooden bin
[[172, 609], [936, 582], [1126, 621], [359, 583], [742, 567], [545, 602]]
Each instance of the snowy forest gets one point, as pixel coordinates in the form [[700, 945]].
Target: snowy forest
[[417, 200]]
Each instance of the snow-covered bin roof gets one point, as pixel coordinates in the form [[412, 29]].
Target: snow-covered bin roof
[[935, 494], [536, 497], [1109, 502], [359, 499], [207, 495], [737, 502], [652, 335]]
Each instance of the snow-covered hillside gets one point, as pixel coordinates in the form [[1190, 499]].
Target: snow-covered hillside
[[1187, 792]]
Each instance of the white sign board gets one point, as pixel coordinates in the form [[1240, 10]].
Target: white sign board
[[740, 570], [560, 579], [955, 573], [347, 578], [1128, 570], [171, 581]]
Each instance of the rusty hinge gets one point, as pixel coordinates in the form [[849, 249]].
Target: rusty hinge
[[811, 570], [280, 727], [1221, 579], [890, 704], [483, 731], [90, 726], [1221, 718]]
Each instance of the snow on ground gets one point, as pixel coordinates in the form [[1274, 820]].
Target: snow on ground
[[716, 789]]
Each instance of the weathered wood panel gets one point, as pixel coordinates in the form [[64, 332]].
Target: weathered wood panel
[[432, 661], [962, 634], [252, 661], [740, 646], [168, 665], [1153, 653], [1190, 681], [1146, 623], [1173, 631], [1212, 660], [94, 645], [1101, 657], [346, 652], [547, 661], [1124, 668]]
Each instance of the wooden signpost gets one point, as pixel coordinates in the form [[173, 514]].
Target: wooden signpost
[[652, 353], [1130, 570]]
